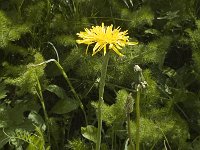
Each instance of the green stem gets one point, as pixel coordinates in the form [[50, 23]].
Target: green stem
[[101, 101], [112, 139], [69, 83], [41, 98], [137, 103], [72, 89], [129, 131]]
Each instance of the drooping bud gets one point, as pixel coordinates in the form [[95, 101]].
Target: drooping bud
[[140, 80]]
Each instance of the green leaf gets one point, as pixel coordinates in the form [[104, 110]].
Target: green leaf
[[3, 139], [60, 92], [152, 31], [14, 116], [37, 119], [65, 106], [57, 133], [90, 133]]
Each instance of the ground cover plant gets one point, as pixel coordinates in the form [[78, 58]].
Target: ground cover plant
[[100, 74]]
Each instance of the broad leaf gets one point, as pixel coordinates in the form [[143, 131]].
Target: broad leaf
[[60, 92], [90, 133], [65, 105], [37, 119], [14, 116]]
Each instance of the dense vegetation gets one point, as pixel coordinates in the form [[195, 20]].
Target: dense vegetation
[[39, 108]]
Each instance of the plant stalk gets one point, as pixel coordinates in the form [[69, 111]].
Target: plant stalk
[[101, 100], [129, 131], [69, 83], [72, 89], [137, 103], [41, 98]]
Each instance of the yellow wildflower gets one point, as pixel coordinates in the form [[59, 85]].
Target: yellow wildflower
[[103, 36]]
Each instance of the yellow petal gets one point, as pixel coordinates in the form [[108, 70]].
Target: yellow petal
[[116, 51], [99, 49], [117, 45], [78, 41], [96, 46], [132, 43], [110, 46], [104, 50], [103, 35], [87, 49]]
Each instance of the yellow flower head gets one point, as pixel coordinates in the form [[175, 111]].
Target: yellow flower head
[[103, 36]]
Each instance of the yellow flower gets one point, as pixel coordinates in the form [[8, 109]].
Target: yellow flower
[[103, 36]]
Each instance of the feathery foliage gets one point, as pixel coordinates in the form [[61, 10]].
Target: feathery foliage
[[168, 32]]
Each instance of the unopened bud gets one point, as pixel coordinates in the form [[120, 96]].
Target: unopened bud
[[137, 68], [129, 104]]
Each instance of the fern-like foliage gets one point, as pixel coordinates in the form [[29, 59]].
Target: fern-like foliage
[[168, 33], [194, 40], [10, 32], [35, 13], [3, 91], [167, 129], [77, 144], [153, 52], [151, 93], [87, 67], [115, 114], [65, 40], [143, 16], [35, 140], [26, 82]]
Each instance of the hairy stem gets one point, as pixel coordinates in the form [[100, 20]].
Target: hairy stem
[[69, 83], [129, 131], [40, 96], [72, 89], [137, 103], [101, 101]]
